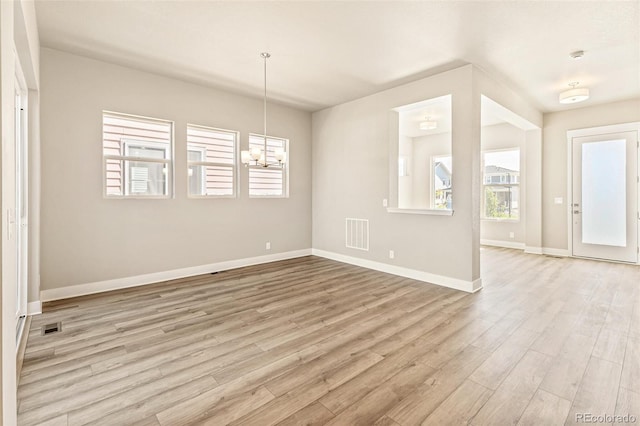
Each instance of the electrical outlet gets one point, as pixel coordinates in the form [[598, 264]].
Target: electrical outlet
[[267, 246], [391, 254], [512, 235], [384, 202]]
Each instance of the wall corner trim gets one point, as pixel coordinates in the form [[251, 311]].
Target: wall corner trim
[[441, 280], [34, 308], [156, 277]]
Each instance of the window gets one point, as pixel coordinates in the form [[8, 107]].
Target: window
[[442, 172], [267, 181], [502, 184], [211, 158], [137, 155]]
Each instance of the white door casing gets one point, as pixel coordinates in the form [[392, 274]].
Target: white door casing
[[604, 207]]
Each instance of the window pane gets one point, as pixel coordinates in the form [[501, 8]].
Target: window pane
[[114, 177], [442, 173], [145, 178], [604, 201], [215, 146], [502, 201], [211, 180], [502, 177], [118, 129], [265, 181], [135, 140]]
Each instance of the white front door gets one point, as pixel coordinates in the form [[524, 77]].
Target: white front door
[[604, 206]]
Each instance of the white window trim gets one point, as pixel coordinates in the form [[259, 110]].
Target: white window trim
[[234, 166], [170, 169], [484, 185], [285, 169]]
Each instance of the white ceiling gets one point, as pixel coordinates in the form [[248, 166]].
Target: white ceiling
[[325, 53]]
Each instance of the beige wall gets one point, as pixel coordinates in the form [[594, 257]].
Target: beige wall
[[497, 137], [554, 176], [18, 35], [87, 238], [354, 169]]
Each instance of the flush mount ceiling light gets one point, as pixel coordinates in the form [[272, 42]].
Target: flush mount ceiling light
[[428, 124], [260, 156], [574, 95], [578, 54]]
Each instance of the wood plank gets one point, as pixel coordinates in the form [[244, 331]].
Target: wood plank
[[627, 407], [631, 368], [416, 407], [545, 409], [598, 390], [314, 414], [310, 340], [511, 398], [461, 406]]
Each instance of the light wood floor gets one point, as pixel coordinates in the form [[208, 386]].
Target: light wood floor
[[312, 341]]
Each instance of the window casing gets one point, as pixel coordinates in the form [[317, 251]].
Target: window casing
[[212, 162], [137, 156], [501, 189], [269, 181]]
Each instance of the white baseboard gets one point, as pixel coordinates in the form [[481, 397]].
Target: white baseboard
[[555, 252], [441, 280], [34, 308], [533, 250], [121, 283], [504, 244]]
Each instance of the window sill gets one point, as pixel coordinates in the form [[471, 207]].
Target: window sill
[[432, 212]]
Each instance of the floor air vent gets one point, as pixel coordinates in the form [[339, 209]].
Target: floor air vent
[[357, 234], [51, 328]]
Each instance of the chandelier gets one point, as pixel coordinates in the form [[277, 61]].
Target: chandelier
[[258, 156]]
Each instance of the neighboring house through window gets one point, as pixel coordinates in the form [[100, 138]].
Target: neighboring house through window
[[269, 181], [442, 172], [212, 161], [137, 155], [501, 184]]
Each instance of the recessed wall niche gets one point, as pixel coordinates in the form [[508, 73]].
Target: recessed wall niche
[[424, 160]]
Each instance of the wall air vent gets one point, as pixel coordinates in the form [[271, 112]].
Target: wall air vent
[[357, 233]]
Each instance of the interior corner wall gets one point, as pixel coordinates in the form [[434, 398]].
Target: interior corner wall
[[351, 173], [533, 165], [500, 137], [87, 238], [555, 149], [515, 103]]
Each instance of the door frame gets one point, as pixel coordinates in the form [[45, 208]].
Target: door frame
[[22, 189], [595, 131]]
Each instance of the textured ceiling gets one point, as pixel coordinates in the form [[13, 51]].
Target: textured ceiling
[[325, 53]]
